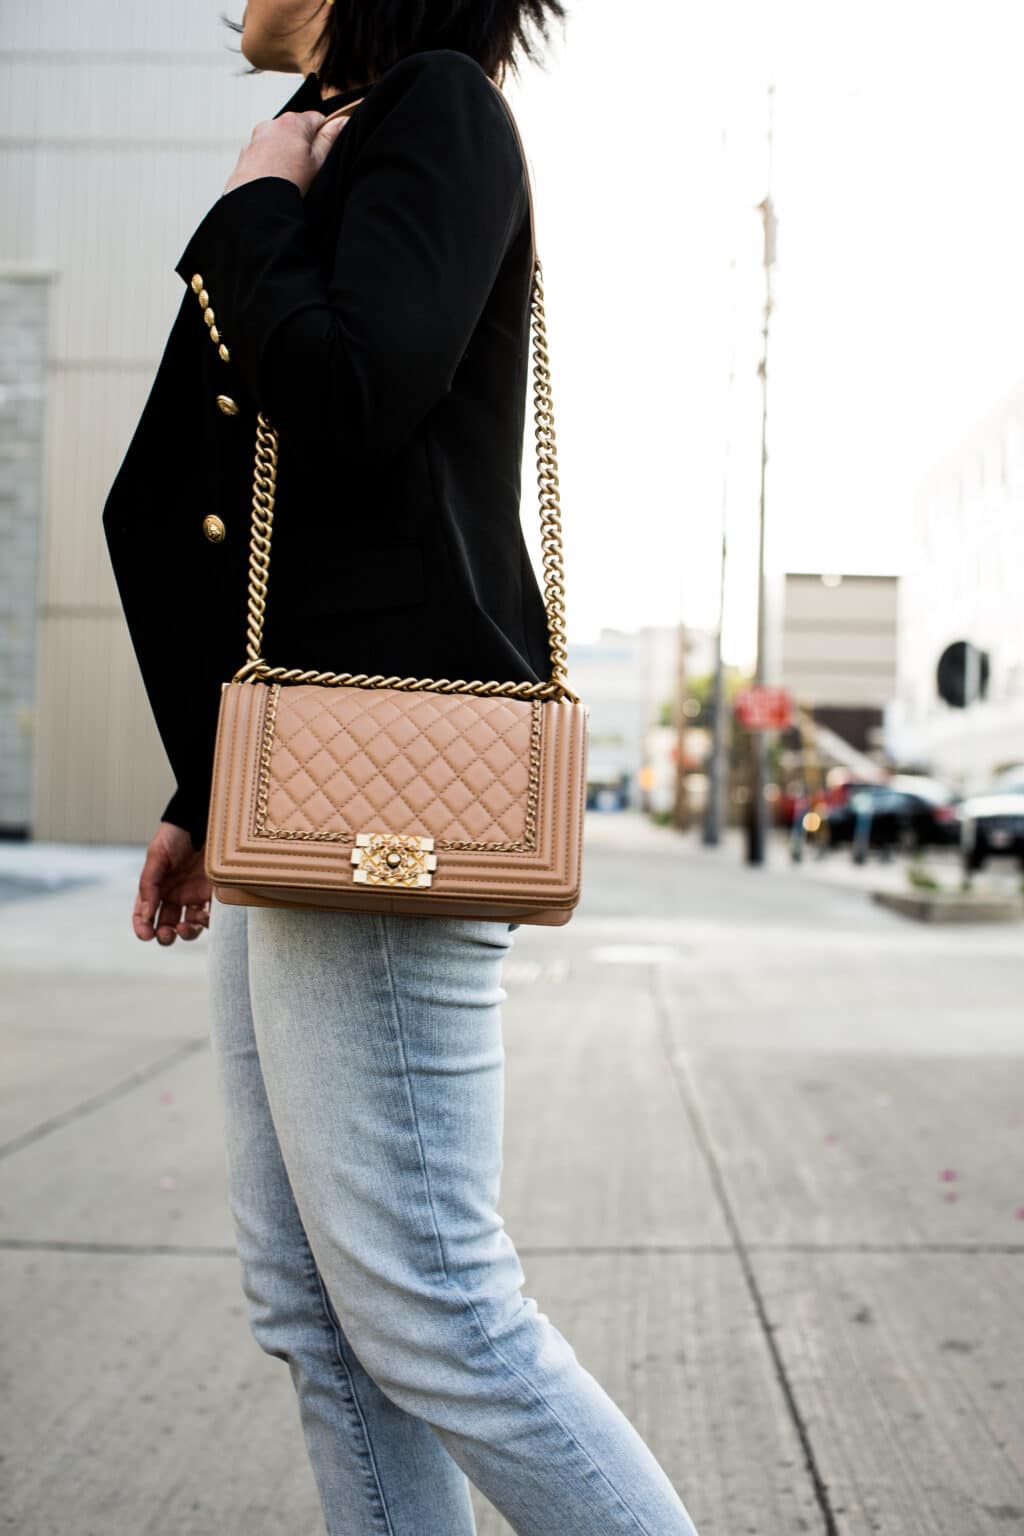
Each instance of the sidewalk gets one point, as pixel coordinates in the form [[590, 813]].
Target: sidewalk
[[763, 1166]]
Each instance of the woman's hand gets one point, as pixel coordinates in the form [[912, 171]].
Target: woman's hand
[[173, 900], [294, 145]]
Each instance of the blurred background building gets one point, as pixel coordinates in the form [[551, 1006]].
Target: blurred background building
[[116, 126], [631, 682], [839, 651], [964, 582]]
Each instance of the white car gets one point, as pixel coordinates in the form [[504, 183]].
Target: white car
[[993, 824]]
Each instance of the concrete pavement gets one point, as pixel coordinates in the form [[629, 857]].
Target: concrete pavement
[[763, 1167]]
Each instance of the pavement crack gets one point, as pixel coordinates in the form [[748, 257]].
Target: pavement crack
[[542, 1250], [602, 1250], [99, 1100], [583, 1250], [74, 1245], [688, 1096]]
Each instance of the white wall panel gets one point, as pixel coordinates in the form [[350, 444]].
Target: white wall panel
[[113, 225], [101, 773], [19, 192], [167, 103], [841, 647], [119, 125], [92, 413], [190, 28]]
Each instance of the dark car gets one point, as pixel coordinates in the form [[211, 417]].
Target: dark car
[[907, 813], [993, 825]]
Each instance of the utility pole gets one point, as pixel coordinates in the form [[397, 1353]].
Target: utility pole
[[758, 822], [711, 833], [681, 802]]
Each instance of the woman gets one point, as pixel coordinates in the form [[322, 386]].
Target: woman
[[366, 283]]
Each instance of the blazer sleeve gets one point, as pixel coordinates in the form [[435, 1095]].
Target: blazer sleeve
[[353, 350], [190, 810]]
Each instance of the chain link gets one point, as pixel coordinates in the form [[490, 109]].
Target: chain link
[[263, 494]]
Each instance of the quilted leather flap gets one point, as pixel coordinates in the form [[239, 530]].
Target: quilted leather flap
[[459, 768]]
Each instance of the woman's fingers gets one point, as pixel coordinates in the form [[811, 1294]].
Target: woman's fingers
[[293, 145], [167, 921], [195, 919], [149, 894], [172, 920], [173, 898], [324, 138]]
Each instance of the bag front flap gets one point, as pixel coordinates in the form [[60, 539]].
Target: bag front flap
[[463, 769]]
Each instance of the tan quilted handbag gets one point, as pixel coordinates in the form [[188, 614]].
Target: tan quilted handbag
[[434, 797]]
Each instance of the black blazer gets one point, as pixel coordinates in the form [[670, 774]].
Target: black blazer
[[382, 324]]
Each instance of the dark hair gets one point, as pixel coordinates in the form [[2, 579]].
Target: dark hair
[[361, 39]]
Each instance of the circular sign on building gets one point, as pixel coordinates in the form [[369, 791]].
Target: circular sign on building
[[962, 674]]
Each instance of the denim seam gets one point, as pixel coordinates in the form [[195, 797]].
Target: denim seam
[[354, 1402], [452, 1284], [396, 1015]]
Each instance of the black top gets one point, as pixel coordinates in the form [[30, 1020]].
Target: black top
[[382, 324]]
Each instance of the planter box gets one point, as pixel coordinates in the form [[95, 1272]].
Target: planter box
[[952, 906]]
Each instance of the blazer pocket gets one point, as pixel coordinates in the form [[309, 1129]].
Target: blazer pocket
[[374, 578]]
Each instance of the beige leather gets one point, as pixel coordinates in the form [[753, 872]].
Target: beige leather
[[301, 769]]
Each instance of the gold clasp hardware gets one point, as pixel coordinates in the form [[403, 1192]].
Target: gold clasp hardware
[[383, 858]]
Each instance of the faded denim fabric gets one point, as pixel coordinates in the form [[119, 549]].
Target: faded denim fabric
[[361, 1068]]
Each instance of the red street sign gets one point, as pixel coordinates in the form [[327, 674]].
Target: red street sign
[[764, 709]]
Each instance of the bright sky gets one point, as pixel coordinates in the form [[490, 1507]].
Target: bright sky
[[899, 283]]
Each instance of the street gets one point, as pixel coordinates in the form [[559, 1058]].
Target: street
[[763, 1166]]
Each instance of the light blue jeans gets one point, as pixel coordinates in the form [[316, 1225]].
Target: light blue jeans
[[361, 1068]]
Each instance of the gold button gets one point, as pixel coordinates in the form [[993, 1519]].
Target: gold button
[[214, 334], [227, 405], [204, 298], [213, 528], [197, 283], [208, 315], [223, 352]]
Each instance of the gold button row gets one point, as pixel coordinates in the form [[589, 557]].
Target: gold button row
[[209, 316], [213, 526]]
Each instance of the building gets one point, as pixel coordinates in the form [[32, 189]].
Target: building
[[838, 650], [965, 583], [628, 680], [119, 126]]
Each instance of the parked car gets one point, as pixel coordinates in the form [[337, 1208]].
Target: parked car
[[607, 791], [906, 813], [992, 825]]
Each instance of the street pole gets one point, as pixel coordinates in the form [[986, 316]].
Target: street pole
[[758, 818], [680, 803], [711, 832], [972, 692]]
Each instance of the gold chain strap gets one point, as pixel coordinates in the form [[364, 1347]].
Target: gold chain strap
[[264, 485]]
